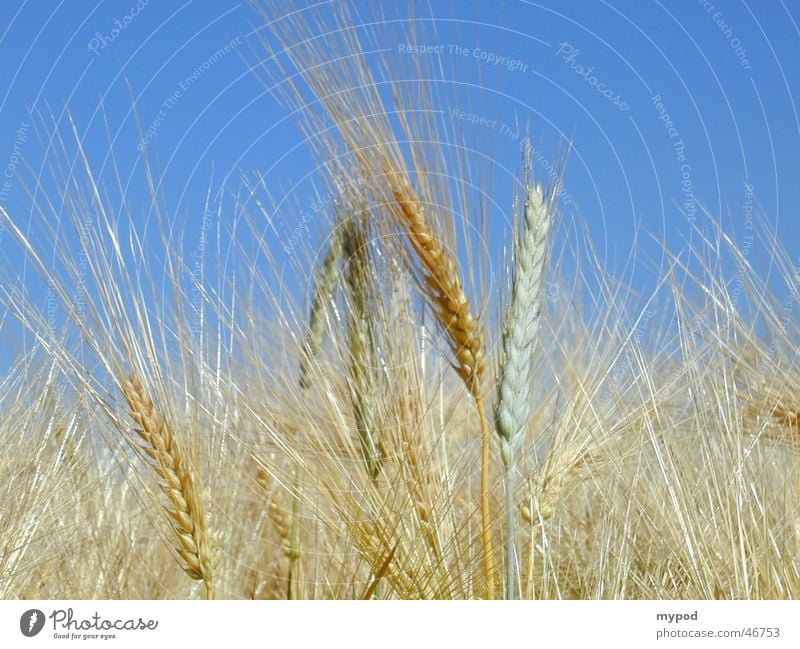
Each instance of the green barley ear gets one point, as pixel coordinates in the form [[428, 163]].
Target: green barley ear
[[523, 319], [520, 342], [324, 289], [361, 343]]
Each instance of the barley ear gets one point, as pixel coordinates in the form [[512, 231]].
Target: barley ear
[[194, 546], [445, 291], [520, 342], [523, 321], [324, 288], [361, 345]]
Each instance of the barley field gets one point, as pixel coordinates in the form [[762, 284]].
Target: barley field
[[383, 408]]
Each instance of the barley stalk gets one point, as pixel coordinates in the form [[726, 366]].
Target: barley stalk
[[520, 342], [294, 538], [288, 530], [185, 511]]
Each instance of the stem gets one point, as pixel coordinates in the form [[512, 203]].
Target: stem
[[294, 539], [511, 524], [488, 552], [209, 589], [529, 592]]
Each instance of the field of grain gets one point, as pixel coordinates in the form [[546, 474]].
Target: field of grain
[[413, 421]]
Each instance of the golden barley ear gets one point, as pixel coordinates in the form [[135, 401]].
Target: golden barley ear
[[445, 291], [195, 547], [444, 287]]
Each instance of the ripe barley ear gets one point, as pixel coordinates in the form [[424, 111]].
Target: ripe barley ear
[[194, 546], [445, 291]]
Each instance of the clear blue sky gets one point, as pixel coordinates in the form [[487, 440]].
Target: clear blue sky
[[725, 73]]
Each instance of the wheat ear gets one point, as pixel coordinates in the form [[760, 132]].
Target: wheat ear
[[442, 281], [194, 545], [520, 342]]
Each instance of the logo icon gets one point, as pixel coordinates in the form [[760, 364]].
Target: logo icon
[[31, 622]]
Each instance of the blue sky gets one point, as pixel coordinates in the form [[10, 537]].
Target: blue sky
[[670, 105]]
